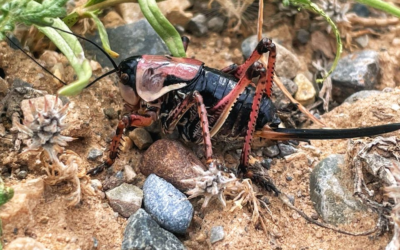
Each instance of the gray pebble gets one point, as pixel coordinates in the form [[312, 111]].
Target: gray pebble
[[216, 24], [302, 36], [94, 154], [167, 205], [217, 234], [355, 72], [333, 201], [125, 199], [111, 113], [143, 233], [286, 149], [361, 95], [271, 151], [22, 174], [197, 25]]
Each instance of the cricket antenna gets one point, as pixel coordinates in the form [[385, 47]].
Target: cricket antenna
[[33, 59]]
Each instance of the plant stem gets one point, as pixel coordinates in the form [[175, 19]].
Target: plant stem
[[163, 27]]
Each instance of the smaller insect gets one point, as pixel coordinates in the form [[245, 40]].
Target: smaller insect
[[204, 103]]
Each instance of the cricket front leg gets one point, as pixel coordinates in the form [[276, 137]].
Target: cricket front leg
[[131, 120]]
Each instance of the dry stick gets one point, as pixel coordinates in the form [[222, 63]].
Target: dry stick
[[277, 81], [375, 22], [286, 201]]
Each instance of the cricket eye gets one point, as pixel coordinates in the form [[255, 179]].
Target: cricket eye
[[124, 78]]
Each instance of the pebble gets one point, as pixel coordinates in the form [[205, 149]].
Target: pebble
[[216, 24], [130, 174], [361, 10], [94, 154], [362, 41], [113, 181], [217, 234], [361, 95], [306, 91], [289, 178], [355, 72], [167, 205], [198, 25], [302, 36], [171, 161], [22, 174], [125, 199], [143, 233], [271, 151], [286, 149], [287, 64], [333, 201], [280, 98], [132, 39], [141, 138]]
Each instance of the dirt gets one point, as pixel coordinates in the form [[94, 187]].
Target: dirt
[[93, 222]]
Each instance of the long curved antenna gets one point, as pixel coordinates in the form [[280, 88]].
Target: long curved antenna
[[102, 76], [91, 42], [33, 59]]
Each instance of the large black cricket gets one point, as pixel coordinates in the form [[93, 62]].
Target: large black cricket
[[204, 103]]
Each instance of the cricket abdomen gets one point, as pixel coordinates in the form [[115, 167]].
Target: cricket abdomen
[[214, 85]]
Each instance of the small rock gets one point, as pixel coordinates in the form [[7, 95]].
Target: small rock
[[132, 39], [361, 10], [130, 12], [94, 154], [143, 233], [306, 92], [362, 41], [141, 138], [287, 64], [22, 174], [167, 205], [314, 216], [361, 95], [355, 72], [111, 113], [332, 200], [286, 149], [25, 243], [113, 181], [197, 25], [289, 178], [171, 161], [130, 174], [291, 199], [271, 151], [216, 24], [302, 36], [216, 234], [125, 199]]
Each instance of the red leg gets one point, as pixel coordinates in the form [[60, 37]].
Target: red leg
[[172, 120], [132, 120], [264, 85]]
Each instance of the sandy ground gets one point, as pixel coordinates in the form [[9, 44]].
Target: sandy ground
[[93, 222]]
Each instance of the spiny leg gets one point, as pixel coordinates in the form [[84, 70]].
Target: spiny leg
[[174, 117], [264, 86], [132, 120], [245, 73]]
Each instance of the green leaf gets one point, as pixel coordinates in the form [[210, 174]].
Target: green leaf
[[163, 27], [72, 49]]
